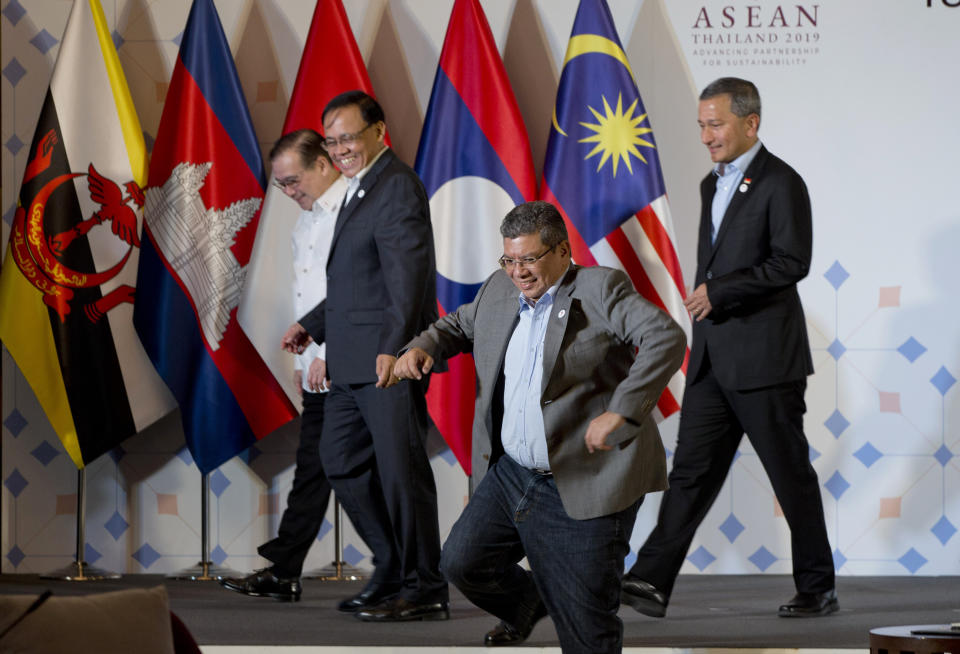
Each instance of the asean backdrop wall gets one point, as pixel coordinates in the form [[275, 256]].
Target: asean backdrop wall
[[859, 96]]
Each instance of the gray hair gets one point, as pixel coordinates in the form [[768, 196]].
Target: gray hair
[[744, 96], [535, 218]]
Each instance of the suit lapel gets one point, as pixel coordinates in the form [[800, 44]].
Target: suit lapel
[[557, 325], [753, 173], [368, 182]]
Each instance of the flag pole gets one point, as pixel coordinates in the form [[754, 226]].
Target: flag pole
[[205, 569], [80, 570], [338, 570]]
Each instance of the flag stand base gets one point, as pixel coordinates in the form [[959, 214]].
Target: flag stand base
[[337, 571], [80, 571], [204, 571]]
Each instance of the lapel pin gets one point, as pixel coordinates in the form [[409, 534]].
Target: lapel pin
[[361, 193], [746, 185], [562, 313]]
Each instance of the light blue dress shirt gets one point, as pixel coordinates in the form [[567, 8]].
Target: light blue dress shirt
[[523, 436], [729, 177]]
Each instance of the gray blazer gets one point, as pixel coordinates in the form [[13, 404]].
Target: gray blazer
[[589, 367]]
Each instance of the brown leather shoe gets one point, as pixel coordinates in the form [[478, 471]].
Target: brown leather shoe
[[810, 605], [401, 610], [264, 583]]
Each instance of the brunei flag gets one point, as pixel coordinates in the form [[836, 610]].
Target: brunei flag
[[67, 285]]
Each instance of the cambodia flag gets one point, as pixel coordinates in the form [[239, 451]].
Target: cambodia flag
[[203, 199], [474, 159], [603, 173]]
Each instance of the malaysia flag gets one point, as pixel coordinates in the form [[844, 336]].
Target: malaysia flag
[[603, 173], [474, 159], [205, 189]]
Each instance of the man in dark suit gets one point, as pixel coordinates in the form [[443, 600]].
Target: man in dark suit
[[749, 359], [570, 362], [381, 290]]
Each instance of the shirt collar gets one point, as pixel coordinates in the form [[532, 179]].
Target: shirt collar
[[740, 164], [329, 200]]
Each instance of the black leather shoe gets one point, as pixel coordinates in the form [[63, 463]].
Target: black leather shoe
[[643, 596], [368, 598], [401, 610], [505, 634], [810, 605], [264, 583]]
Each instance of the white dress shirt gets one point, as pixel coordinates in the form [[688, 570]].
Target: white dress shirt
[[311, 240]]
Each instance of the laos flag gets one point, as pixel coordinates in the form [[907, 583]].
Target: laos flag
[[602, 172], [203, 198], [474, 159]]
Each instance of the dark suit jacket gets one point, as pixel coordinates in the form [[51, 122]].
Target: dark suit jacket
[[756, 334], [381, 273], [589, 366]]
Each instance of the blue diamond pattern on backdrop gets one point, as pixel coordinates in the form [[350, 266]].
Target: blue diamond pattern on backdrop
[[9, 214], [814, 453], [43, 41], [448, 456], [14, 144], [912, 560], [836, 349], [762, 558], [701, 558], [15, 483], [837, 485], [943, 530], [218, 556], [943, 380], [325, 528], [868, 454], [836, 275], [15, 422], [146, 555], [16, 556], [352, 555], [45, 453], [218, 482], [911, 349], [14, 11], [185, 456], [14, 72], [177, 39], [731, 528], [250, 454], [148, 141], [838, 559], [943, 455], [116, 525], [629, 561], [117, 39], [117, 453], [90, 554], [836, 423]]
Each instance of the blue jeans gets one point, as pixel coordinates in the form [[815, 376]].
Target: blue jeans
[[575, 565]]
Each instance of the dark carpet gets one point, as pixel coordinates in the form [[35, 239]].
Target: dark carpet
[[705, 611]]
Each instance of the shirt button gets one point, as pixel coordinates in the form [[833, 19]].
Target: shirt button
[[709, 275]]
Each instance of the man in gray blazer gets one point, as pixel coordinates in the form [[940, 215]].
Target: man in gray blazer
[[564, 447]]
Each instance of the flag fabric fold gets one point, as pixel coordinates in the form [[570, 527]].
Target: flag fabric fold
[[203, 200], [68, 280], [331, 64], [475, 162], [602, 171]]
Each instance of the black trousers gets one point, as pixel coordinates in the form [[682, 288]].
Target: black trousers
[[308, 498], [712, 423], [374, 453]]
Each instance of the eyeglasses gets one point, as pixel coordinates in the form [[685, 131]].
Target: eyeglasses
[[344, 139], [288, 182], [526, 262]]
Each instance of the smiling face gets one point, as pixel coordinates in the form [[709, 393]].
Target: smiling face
[[533, 280], [725, 134], [353, 157], [302, 184]]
